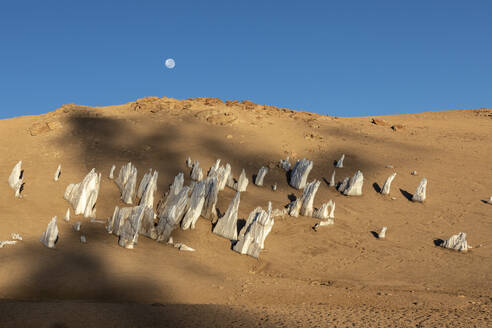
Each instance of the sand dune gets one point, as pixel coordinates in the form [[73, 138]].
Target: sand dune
[[338, 276]]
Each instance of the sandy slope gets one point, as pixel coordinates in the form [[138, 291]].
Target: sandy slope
[[338, 276]]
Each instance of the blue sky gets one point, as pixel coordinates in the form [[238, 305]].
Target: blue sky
[[345, 58]]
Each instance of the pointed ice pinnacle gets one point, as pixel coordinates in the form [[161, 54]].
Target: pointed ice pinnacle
[[253, 234], [457, 242], [261, 175], [111, 172], [354, 187], [304, 204], [15, 179], [183, 247], [50, 236], [172, 214], [285, 164], [332, 180], [300, 172], [120, 215], [213, 170], [196, 172], [323, 214], [127, 182], [223, 174], [131, 227], [343, 185], [387, 184], [197, 200], [242, 182], [174, 190], [76, 226], [57, 173], [211, 194], [382, 234], [148, 228], [226, 226], [188, 162], [340, 162], [419, 195], [83, 196], [147, 189], [67, 215]]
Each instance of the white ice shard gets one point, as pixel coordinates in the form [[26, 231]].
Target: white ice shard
[[332, 180], [261, 176], [76, 226], [116, 221], [83, 240], [331, 215], [111, 172], [16, 179], [457, 242], [274, 187], [130, 229], [343, 185], [340, 162], [252, 236], [226, 226], [490, 200], [322, 212], [354, 187], [57, 173], [387, 184], [67, 215], [209, 210], [223, 174], [213, 170], [15, 236], [147, 189], [325, 215], [188, 162], [148, 228], [174, 190], [127, 182], [50, 236], [308, 198], [300, 172], [242, 182], [294, 207], [196, 172], [197, 199], [285, 164], [83, 196], [172, 214], [183, 247], [382, 233], [419, 195]]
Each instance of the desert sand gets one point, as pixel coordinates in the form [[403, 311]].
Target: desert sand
[[338, 276]]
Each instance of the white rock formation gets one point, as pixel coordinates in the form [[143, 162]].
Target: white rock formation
[[57, 173], [300, 172], [111, 172], [419, 195], [253, 234], [382, 233], [83, 196], [261, 176], [354, 187], [226, 226], [148, 228], [50, 236], [242, 182], [67, 215], [15, 179], [183, 247], [209, 210], [147, 189], [457, 242], [131, 227], [197, 199], [308, 198], [172, 214], [340, 162], [285, 164], [332, 180], [76, 226], [387, 184], [196, 172]]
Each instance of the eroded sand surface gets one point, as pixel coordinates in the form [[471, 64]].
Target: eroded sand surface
[[340, 275]]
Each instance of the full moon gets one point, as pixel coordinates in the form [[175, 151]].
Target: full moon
[[170, 63]]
